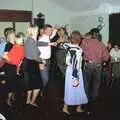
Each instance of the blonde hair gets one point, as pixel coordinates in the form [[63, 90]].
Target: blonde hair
[[62, 36], [32, 31], [19, 40]]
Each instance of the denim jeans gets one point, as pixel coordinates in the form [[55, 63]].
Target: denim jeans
[[92, 80], [45, 75]]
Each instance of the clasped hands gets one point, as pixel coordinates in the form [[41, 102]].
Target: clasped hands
[[53, 43]]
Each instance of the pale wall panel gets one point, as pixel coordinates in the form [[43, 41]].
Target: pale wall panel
[[21, 26], [4, 25], [85, 23]]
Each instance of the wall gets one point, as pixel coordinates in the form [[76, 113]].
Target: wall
[[53, 13], [86, 20], [85, 23], [16, 4], [4, 25]]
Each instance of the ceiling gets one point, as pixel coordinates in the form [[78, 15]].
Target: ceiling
[[83, 5]]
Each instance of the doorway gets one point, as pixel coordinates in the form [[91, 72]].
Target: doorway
[[114, 28]]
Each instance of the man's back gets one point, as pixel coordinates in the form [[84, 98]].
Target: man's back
[[94, 50]]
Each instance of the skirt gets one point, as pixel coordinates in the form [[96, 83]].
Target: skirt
[[74, 95], [31, 74]]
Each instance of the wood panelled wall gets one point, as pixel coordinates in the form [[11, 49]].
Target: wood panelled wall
[[16, 15]]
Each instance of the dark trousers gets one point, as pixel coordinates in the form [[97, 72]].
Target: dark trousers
[[92, 80]]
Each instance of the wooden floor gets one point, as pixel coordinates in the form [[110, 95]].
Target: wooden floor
[[50, 107]]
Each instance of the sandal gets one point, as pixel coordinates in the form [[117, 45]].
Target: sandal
[[9, 102], [65, 111], [34, 104]]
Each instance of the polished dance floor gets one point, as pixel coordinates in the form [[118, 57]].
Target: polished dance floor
[[50, 107]]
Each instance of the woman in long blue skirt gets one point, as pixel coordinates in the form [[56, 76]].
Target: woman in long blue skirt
[[74, 87]]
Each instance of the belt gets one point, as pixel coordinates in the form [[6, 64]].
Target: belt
[[92, 62], [46, 60]]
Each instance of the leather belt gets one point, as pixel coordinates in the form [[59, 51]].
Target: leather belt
[[92, 62], [46, 60]]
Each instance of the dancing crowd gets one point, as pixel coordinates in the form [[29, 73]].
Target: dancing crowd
[[80, 59]]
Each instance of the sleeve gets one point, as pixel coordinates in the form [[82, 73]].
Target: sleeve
[[7, 47], [83, 44], [55, 38], [41, 43], [36, 53], [53, 33], [79, 58], [112, 52], [2, 49], [37, 58], [77, 64], [68, 58], [105, 54], [119, 54]]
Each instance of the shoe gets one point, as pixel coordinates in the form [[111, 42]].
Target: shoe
[[27, 102], [66, 111], [9, 102], [34, 104], [13, 97]]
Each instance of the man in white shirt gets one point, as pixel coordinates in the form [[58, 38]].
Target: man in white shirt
[[45, 54], [115, 53], [115, 59]]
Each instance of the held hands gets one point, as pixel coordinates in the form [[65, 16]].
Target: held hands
[[75, 83], [53, 44], [41, 66]]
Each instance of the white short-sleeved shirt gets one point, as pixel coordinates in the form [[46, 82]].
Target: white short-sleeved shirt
[[114, 54], [45, 50]]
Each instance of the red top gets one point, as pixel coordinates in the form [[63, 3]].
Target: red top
[[94, 50], [16, 54]]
